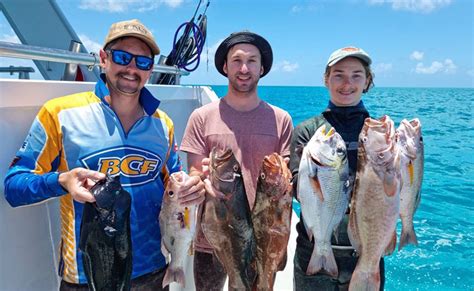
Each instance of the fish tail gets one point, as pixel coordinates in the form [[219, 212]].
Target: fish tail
[[174, 275], [408, 236], [365, 281], [322, 258]]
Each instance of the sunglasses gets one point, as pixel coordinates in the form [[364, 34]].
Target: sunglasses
[[124, 58]]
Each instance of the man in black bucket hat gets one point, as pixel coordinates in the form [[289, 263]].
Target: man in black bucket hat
[[242, 122], [244, 37]]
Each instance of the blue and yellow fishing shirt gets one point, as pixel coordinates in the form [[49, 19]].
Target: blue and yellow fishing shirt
[[82, 130]]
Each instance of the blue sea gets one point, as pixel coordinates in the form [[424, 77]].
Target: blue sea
[[444, 221]]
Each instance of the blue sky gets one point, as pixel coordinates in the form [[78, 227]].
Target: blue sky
[[413, 43]]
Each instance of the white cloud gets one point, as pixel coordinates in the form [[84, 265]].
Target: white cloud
[[212, 50], [127, 5], [447, 67], [10, 38], [417, 56], [382, 68], [296, 9], [173, 3], [89, 44], [309, 7], [286, 66], [421, 6]]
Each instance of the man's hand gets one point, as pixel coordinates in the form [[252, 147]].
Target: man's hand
[[192, 192], [78, 182]]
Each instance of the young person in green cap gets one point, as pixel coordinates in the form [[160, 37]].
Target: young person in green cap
[[347, 77]]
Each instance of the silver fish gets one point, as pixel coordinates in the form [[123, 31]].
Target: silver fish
[[178, 228], [411, 146], [323, 192]]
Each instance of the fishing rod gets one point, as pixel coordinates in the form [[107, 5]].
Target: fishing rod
[[188, 47]]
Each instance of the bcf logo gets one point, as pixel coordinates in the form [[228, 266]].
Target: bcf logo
[[135, 165]]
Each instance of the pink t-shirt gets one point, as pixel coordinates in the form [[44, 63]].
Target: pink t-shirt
[[251, 135]]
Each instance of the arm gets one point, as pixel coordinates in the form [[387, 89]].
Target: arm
[[34, 174], [192, 192]]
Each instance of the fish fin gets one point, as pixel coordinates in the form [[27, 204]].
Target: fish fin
[[166, 253], [322, 260], [390, 185], [352, 231], [367, 281], [191, 249], [174, 275], [282, 263], [317, 188], [309, 232], [411, 173], [407, 237], [391, 244]]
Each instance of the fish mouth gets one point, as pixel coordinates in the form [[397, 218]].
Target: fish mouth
[[272, 163], [177, 177], [315, 159]]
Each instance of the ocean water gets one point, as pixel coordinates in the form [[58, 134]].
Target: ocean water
[[444, 221]]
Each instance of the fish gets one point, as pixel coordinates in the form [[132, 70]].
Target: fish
[[178, 229], [271, 219], [375, 201], [411, 147], [226, 221], [105, 237], [323, 190]]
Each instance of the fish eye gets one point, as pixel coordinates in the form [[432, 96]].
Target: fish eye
[[170, 193], [236, 168], [340, 151], [262, 175], [364, 139]]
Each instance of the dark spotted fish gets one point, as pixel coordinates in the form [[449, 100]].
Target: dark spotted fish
[[226, 221], [105, 239]]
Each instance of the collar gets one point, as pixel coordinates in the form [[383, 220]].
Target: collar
[[146, 99], [360, 105]]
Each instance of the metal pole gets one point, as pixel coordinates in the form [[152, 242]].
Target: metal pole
[[14, 50], [70, 71]]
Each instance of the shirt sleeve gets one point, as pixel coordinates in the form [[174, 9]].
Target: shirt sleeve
[[173, 163], [32, 176], [193, 138], [301, 135], [285, 140]]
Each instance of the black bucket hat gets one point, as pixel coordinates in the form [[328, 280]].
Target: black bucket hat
[[244, 37]]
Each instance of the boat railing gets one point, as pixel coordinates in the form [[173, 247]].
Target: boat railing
[[91, 60]]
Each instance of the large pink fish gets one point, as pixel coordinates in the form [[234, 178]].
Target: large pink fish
[[375, 201], [411, 147]]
